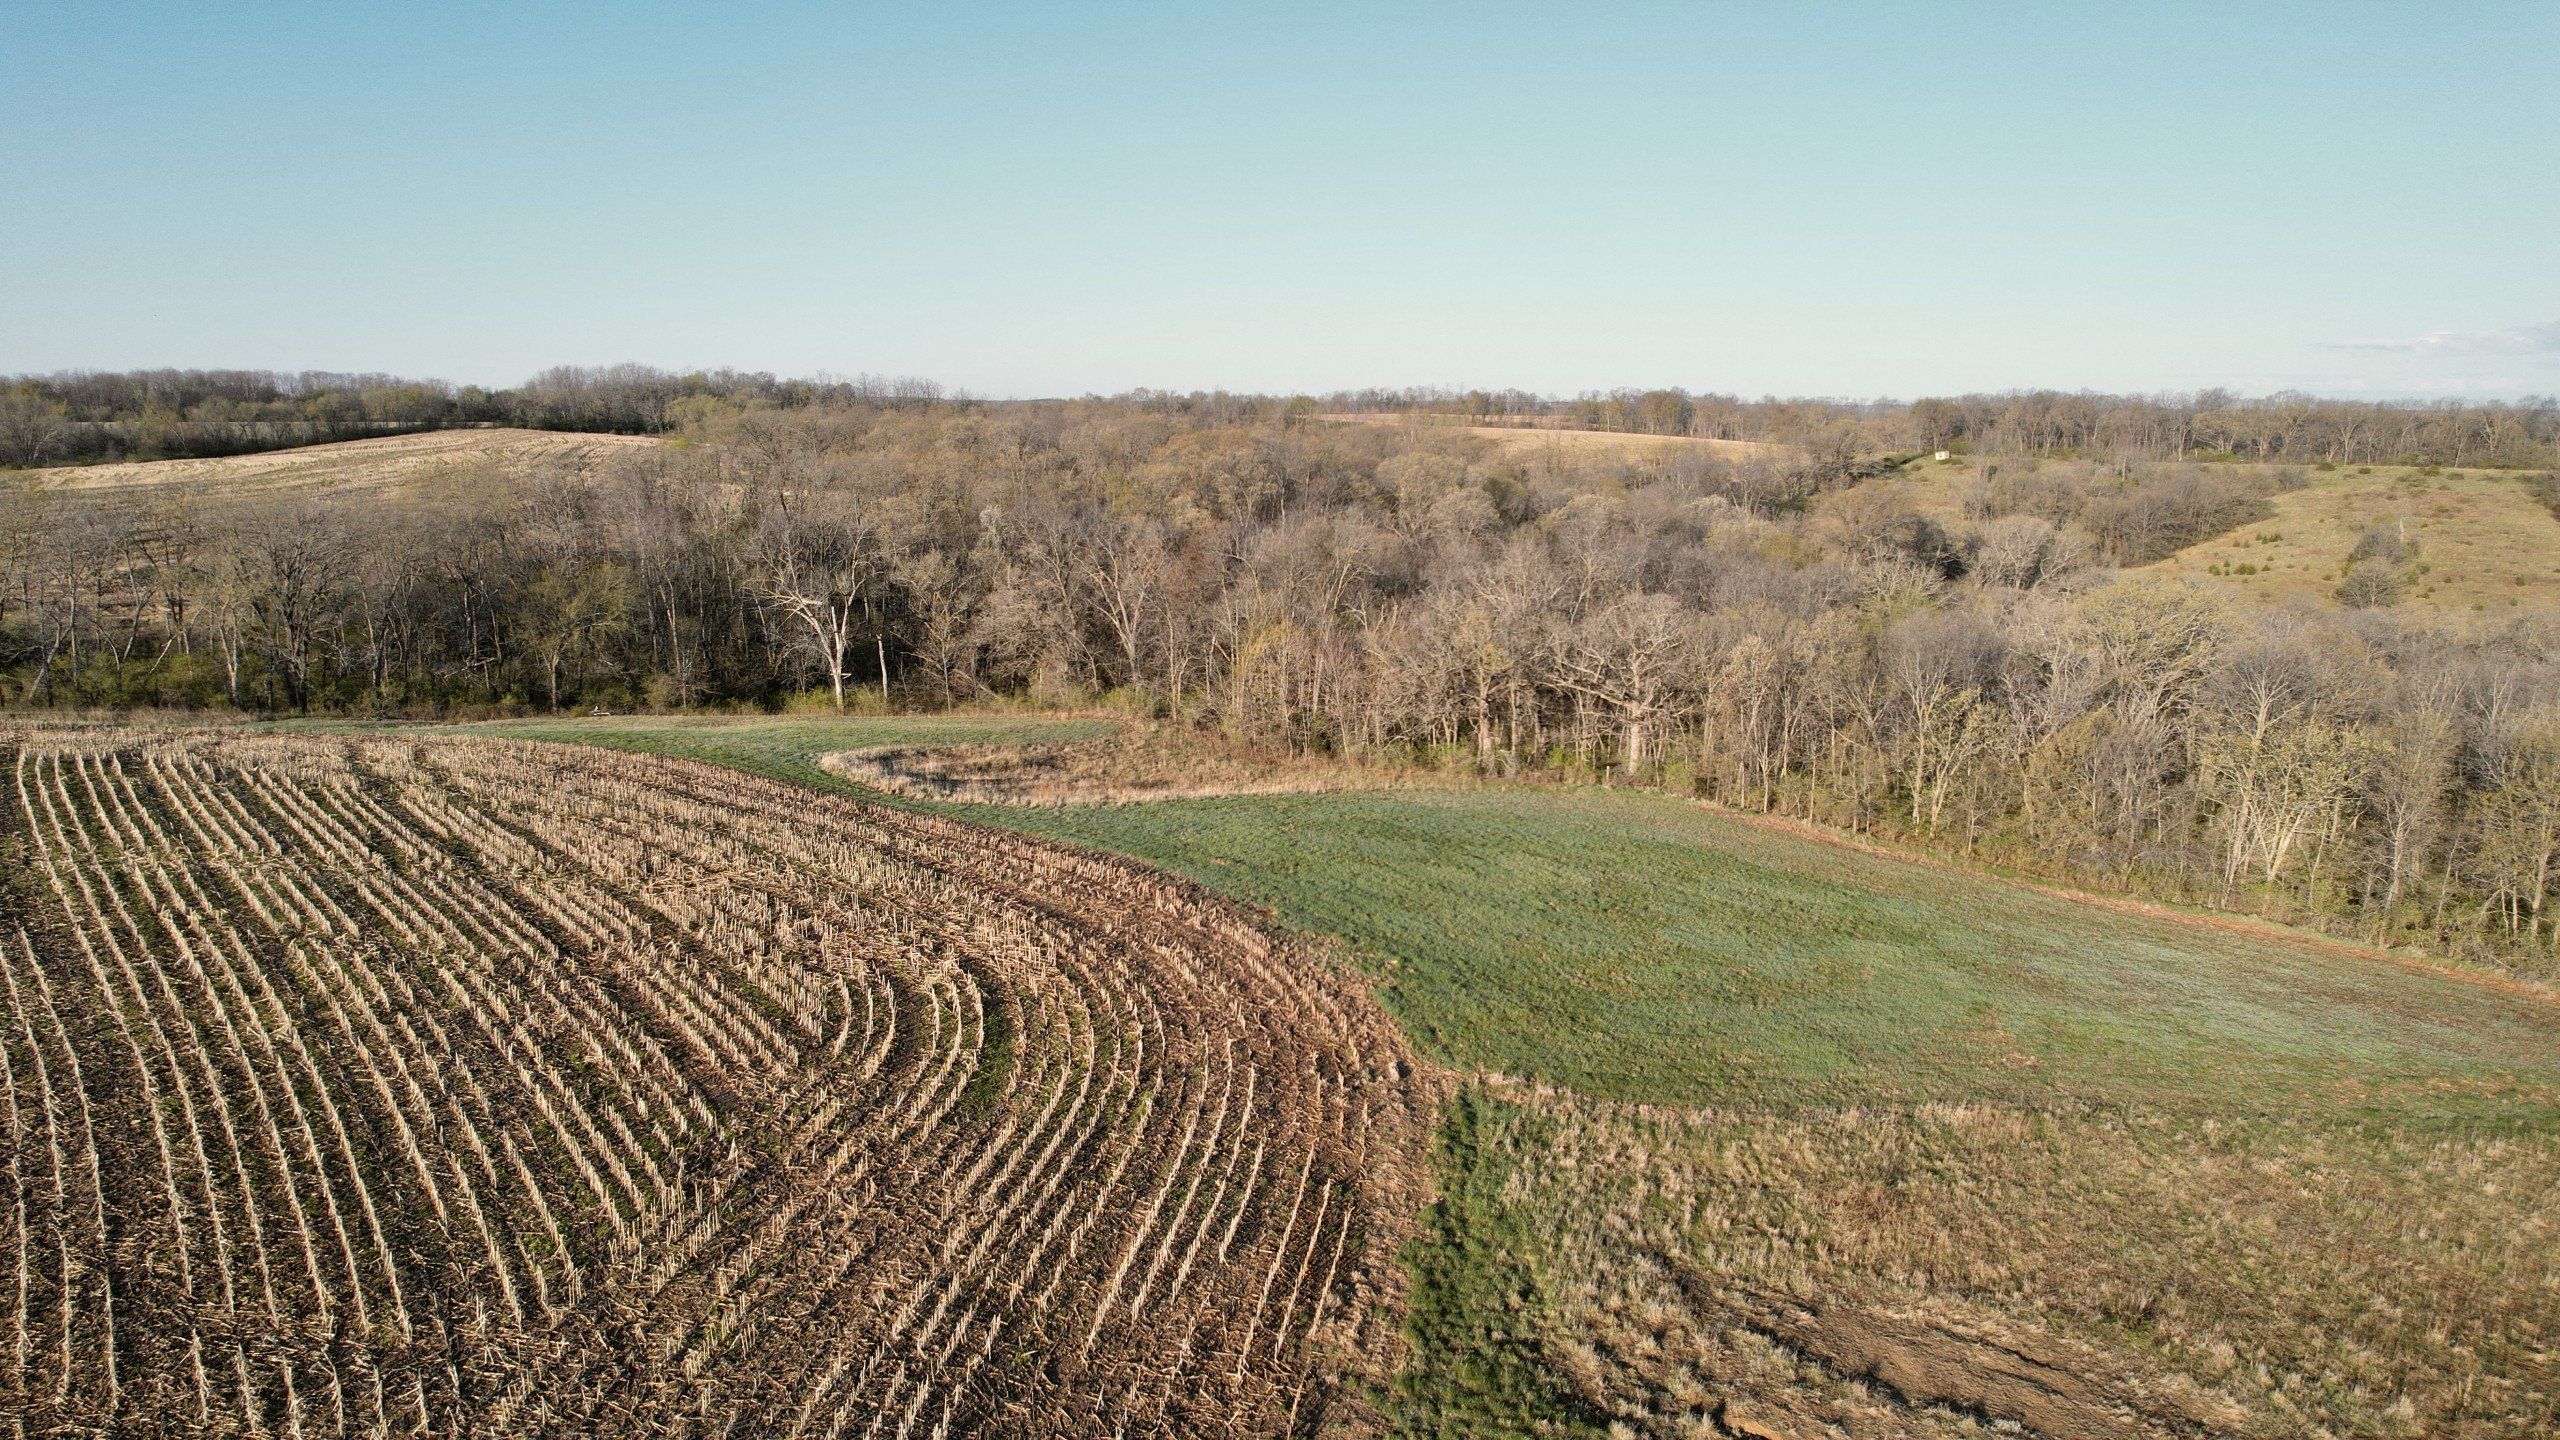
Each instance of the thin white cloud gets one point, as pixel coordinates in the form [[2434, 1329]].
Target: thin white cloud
[[2539, 340]]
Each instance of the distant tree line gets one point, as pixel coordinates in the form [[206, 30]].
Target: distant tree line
[[87, 417], [2208, 424], [1975, 673]]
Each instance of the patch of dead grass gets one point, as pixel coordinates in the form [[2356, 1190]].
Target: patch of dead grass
[[1942, 1268], [1141, 763]]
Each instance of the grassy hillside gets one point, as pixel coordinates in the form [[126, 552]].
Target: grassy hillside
[[1797, 1135], [2485, 543], [1633, 947], [376, 464]]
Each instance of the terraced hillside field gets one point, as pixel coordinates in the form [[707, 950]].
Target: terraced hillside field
[[378, 464], [439, 1086]]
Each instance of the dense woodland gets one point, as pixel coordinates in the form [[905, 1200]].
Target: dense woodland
[[1770, 632]]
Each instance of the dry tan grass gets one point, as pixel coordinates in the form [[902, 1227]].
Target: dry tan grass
[[1138, 764], [2488, 546], [1922, 1271], [385, 462], [1554, 440], [2485, 544]]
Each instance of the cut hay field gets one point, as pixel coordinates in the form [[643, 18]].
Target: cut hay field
[[2485, 544], [1766, 1136], [435, 1085], [1535, 440], [383, 463]]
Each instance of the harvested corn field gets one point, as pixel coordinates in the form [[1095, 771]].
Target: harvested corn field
[[433, 1086]]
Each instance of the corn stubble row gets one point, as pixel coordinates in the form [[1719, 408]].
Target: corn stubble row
[[436, 1087]]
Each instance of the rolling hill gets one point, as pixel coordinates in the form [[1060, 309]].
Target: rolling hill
[[383, 463], [1533, 440], [2484, 543]]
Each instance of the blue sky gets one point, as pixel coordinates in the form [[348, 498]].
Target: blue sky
[[1838, 199]]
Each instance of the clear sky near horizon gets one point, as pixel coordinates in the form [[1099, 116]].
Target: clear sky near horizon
[[1834, 199]]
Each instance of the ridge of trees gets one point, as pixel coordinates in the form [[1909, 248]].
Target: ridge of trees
[[78, 417], [86, 417], [2206, 424]]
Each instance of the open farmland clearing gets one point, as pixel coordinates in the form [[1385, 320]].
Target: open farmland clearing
[[154, 517], [1557, 440], [382, 463], [435, 1087], [1780, 1137], [2482, 541]]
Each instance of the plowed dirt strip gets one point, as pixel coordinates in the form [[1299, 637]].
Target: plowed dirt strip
[[465, 1087]]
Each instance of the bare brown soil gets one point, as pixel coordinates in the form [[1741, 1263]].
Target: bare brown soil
[[430, 1086]]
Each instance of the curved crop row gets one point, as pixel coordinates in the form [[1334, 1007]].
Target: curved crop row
[[442, 1087]]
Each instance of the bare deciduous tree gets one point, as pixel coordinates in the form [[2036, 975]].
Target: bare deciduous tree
[[816, 563]]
